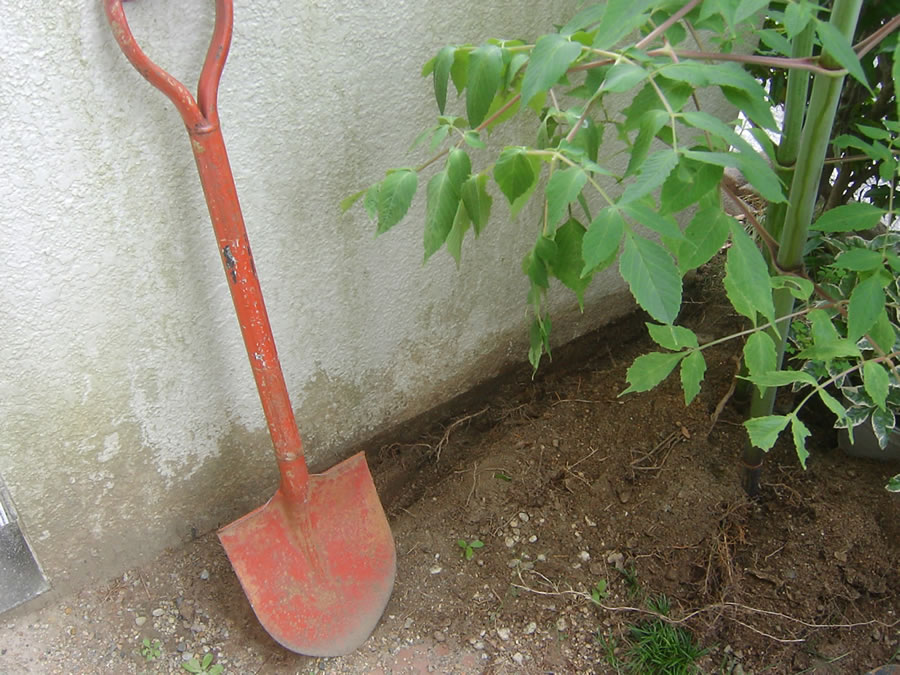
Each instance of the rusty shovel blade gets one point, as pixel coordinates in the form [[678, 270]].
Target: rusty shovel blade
[[318, 575]]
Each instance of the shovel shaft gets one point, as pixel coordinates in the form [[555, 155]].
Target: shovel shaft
[[202, 122]]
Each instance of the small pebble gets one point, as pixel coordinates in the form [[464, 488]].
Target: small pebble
[[436, 569], [584, 556], [204, 575], [530, 628], [518, 658], [523, 517], [159, 611], [561, 624], [532, 539], [187, 656], [180, 647], [503, 633], [439, 636], [541, 557], [478, 644], [510, 542], [140, 620]]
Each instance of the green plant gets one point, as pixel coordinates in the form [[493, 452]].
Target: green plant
[[469, 547], [893, 484], [845, 265], [654, 647], [595, 213], [150, 650], [658, 646], [205, 665], [631, 581], [599, 592]]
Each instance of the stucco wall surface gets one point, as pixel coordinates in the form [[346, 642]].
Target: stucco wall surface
[[129, 415]]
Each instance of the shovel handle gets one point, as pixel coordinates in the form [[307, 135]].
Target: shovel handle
[[202, 121]]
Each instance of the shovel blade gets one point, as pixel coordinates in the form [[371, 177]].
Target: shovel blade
[[318, 575]]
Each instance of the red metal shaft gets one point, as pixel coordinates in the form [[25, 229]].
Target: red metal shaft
[[228, 223]]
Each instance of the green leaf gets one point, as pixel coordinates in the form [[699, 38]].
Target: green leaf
[[755, 169], [473, 140], [601, 242], [894, 483], [796, 17], [827, 344], [839, 48], [485, 72], [394, 198], [764, 430], [775, 41], [875, 133], [477, 200], [747, 277], [459, 71], [652, 277], [833, 404], [675, 92], [443, 62], [562, 189], [703, 238], [622, 77], [849, 218], [651, 122], [690, 181], [693, 368], [859, 260], [443, 199], [461, 225], [800, 432], [514, 172], [759, 353], [883, 332], [877, 382], [371, 201], [648, 217], [568, 262], [648, 370], [653, 172], [620, 18], [550, 59], [866, 304], [350, 200], [756, 108], [799, 287], [672, 337], [781, 378]]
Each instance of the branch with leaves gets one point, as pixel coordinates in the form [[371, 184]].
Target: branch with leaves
[[596, 214]]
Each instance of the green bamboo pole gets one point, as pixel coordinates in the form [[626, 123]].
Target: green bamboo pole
[[814, 142]]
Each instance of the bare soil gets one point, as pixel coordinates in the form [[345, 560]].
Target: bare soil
[[566, 485]]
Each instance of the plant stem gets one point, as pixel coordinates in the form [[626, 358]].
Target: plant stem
[[814, 142], [794, 113]]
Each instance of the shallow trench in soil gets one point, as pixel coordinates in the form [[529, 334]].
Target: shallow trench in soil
[[566, 486]]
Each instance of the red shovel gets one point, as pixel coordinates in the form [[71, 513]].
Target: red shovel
[[317, 562]]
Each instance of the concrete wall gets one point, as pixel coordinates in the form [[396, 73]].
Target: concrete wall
[[129, 414]]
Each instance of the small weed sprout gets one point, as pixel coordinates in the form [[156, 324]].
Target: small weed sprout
[[599, 592], [468, 547], [150, 650], [195, 665]]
